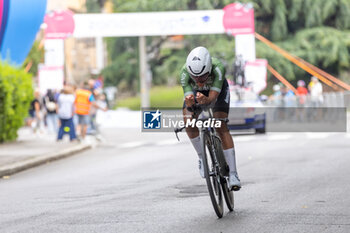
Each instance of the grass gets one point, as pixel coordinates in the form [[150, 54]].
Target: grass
[[161, 97]]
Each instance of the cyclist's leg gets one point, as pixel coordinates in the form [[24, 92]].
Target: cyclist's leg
[[229, 151], [221, 110], [227, 142], [193, 134], [223, 132]]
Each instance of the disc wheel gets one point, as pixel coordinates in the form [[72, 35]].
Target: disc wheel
[[211, 172]]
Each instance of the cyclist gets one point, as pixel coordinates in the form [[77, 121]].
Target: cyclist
[[203, 81]]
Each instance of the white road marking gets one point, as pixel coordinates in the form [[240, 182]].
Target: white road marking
[[133, 144], [148, 143], [317, 135], [243, 139], [167, 142], [278, 137]]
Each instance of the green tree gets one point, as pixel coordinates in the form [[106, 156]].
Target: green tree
[[35, 57], [16, 93], [315, 30], [94, 6]]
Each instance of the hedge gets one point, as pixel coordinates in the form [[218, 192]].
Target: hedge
[[16, 93]]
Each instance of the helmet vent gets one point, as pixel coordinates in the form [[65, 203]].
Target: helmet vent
[[197, 73], [196, 59]]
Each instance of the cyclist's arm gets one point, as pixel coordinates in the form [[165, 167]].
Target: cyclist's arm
[[202, 99], [219, 74], [219, 77], [185, 83]]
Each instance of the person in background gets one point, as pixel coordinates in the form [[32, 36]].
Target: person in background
[[35, 112], [49, 102], [101, 102], [93, 112], [288, 97], [83, 102], [91, 83], [316, 90], [276, 97], [301, 93], [93, 109], [238, 71], [65, 110]]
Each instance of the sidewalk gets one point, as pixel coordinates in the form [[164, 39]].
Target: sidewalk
[[33, 150]]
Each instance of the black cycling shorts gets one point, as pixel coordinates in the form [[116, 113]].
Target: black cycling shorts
[[222, 103]]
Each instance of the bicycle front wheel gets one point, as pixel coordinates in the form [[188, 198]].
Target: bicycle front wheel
[[212, 177]]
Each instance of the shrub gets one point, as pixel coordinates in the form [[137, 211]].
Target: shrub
[[16, 93]]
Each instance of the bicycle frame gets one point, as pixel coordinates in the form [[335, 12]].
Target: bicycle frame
[[212, 134], [216, 171]]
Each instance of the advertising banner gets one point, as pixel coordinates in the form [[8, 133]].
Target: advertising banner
[[50, 78], [149, 24], [59, 24], [239, 19], [54, 52], [245, 46], [256, 74]]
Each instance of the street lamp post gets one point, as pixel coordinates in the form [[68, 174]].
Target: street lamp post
[[145, 103]]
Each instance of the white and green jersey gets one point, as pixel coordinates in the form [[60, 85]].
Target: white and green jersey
[[214, 82]]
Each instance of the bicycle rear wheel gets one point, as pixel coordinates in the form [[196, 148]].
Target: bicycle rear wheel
[[212, 177], [228, 195]]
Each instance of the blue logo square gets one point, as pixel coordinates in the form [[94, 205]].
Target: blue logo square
[[152, 119]]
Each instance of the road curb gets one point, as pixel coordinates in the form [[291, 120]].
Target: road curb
[[35, 161]]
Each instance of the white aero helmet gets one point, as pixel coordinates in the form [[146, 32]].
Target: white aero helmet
[[198, 64]]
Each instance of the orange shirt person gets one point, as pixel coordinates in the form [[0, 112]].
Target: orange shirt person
[[301, 92], [83, 101]]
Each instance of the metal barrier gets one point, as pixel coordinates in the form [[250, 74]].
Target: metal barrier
[[328, 99]]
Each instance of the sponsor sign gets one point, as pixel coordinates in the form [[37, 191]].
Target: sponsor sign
[[50, 78], [256, 73], [149, 24], [59, 24], [245, 46], [54, 52], [239, 19]]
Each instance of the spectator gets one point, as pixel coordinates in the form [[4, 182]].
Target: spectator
[[316, 90], [277, 95], [301, 92], [91, 84], [93, 111], [289, 97], [101, 102], [238, 71], [302, 95], [65, 109], [35, 112], [83, 102], [49, 102]]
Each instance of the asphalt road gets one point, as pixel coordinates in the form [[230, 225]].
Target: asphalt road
[[150, 183]]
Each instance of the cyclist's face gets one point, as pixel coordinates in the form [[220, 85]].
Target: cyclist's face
[[201, 80]]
